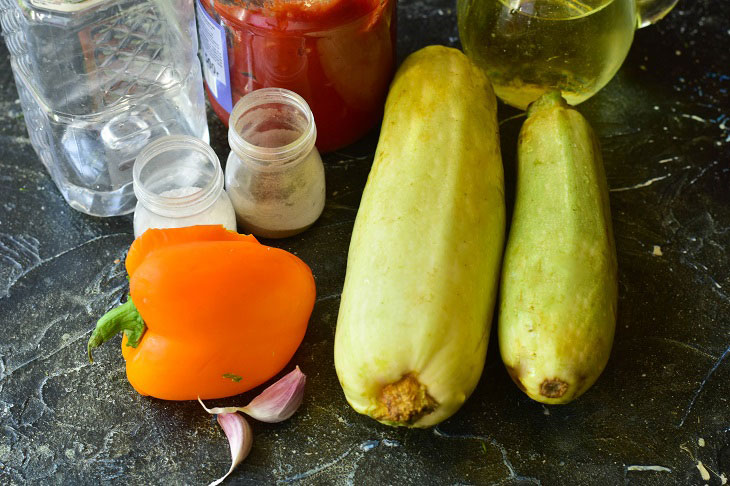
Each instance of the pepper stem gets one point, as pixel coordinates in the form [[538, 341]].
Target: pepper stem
[[123, 318]]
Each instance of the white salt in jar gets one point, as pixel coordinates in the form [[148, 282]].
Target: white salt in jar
[[274, 174], [178, 182]]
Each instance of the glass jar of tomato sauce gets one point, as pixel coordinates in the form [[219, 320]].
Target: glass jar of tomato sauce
[[339, 55]]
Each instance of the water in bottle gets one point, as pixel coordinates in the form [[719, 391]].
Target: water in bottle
[[98, 80]]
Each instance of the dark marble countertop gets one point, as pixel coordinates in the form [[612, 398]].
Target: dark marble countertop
[[659, 414]]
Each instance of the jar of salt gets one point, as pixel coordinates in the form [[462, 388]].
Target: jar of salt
[[178, 182], [274, 174]]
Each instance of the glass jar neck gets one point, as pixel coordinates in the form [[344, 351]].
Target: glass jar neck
[[177, 176], [272, 128]]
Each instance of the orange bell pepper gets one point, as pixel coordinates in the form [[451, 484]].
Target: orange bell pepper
[[211, 313]]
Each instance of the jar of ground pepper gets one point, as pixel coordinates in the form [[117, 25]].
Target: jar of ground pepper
[[274, 175], [339, 55]]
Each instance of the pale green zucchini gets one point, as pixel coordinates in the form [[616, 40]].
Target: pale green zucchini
[[424, 259], [559, 278]]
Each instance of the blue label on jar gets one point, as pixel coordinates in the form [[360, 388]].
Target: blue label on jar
[[215, 57]]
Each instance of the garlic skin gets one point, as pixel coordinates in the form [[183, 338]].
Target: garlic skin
[[240, 439], [275, 404]]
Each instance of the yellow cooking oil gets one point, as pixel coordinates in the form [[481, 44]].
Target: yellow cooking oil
[[528, 47]]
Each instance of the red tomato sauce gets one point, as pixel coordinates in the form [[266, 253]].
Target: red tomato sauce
[[339, 55]]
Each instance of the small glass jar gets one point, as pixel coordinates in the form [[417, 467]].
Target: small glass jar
[[178, 182], [274, 174]]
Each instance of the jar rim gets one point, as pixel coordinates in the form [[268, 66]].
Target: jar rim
[[177, 206], [272, 156]]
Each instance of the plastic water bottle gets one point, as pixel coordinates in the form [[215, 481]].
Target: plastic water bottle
[[98, 80]]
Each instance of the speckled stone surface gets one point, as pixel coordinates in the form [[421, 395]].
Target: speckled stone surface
[[659, 414]]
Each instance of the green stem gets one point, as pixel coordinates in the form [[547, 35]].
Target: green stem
[[546, 101], [123, 318]]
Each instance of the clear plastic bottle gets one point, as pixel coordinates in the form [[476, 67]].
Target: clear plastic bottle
[[274, 175], [178, 181], [98, 80]]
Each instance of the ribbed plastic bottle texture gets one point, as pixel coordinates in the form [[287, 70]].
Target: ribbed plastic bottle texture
[[97, 81]]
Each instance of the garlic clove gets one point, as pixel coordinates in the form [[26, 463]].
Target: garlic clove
[[240, 439], [275, 404], [279, 401]]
